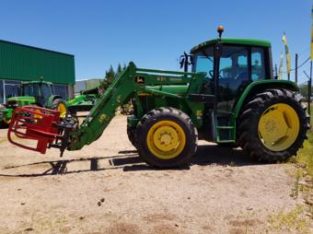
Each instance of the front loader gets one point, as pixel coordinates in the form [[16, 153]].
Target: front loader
[[229, 97]]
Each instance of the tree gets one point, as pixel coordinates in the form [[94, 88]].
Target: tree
[[124, 67], [304, 90], [108, 79], [119, 69], [110, 74]]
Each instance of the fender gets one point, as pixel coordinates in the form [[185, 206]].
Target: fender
[[259, 86], [49, 103]]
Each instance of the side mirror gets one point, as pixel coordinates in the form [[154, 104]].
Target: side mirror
[[185, 61], [182, 61]]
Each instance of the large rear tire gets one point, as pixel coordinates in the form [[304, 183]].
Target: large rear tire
[[273, 125], [166, 138]]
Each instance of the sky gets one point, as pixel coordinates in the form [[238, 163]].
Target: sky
[[153, 34]]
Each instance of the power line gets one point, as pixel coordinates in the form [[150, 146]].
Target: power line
[[301, 65]]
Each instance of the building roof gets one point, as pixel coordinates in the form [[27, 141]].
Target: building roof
[[36, 48]]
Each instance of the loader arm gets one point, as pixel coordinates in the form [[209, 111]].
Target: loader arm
[[102, 113], [49, 130], [131, 81]]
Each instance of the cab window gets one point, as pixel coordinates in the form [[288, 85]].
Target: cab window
[[204, 62], [234, 63], [257, 64]]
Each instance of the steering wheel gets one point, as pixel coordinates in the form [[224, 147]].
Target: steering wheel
[[211, 73], [241, 76]]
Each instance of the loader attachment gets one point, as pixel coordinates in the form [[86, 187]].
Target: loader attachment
[[47, 129], [38, 127]]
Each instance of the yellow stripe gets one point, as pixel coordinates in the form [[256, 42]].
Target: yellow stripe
[[287, 53]]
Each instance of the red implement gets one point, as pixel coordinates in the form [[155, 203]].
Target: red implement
[[36, 124]]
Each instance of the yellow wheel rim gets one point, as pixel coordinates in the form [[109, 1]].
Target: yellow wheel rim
[[62, 109], [166, 139], [279, 127]]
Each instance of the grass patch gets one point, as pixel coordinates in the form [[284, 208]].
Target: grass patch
[[305, 155], [291, 221], [304, 172]]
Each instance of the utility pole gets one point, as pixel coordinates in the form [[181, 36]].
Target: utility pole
[[296, 69]]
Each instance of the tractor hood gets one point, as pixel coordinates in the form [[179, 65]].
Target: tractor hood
[[21, 101]]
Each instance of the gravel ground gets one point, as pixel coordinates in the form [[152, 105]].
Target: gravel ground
[[105, 188]]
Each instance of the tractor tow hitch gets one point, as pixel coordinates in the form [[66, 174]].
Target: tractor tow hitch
[[37, 129]]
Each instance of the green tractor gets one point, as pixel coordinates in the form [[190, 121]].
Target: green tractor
[[40, 93], [229, 97], [83, 102]]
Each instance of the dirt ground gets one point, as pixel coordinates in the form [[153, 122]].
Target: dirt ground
[[105, 188]]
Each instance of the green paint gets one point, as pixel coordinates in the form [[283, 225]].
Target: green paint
[[154, 91], [160, 88], [259, 86], [21, 100], [199, 95], [26, 63], [253, 89]]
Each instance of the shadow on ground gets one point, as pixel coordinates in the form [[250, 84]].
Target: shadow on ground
[[130, 161]]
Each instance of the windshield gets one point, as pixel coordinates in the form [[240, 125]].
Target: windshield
[[30, 90], [36, 90], [236, 62], [204, 62], [46, 91]]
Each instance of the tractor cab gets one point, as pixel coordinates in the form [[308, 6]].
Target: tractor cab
[[40, 90], [231, 64]]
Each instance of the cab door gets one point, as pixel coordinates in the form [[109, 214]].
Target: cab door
[[234, 75]]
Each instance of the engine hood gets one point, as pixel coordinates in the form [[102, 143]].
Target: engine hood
[[21, 100]]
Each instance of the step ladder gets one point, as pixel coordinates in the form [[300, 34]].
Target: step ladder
[[225, 133]]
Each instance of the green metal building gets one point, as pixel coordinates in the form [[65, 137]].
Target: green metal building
[[26, 63]]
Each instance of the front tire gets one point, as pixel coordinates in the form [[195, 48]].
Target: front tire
[[273, 125], [131, 133], [166, 138]]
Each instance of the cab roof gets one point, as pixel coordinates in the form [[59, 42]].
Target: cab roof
[[231, 41]]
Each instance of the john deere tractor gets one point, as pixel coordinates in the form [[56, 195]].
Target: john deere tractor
[[40, 93], [229, 97]]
